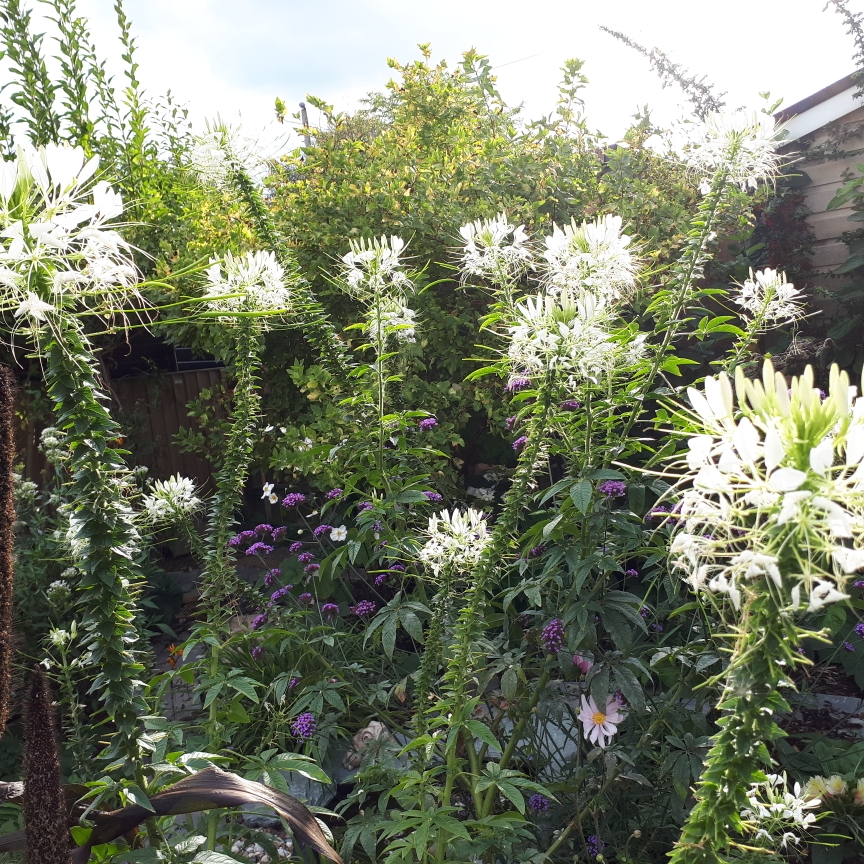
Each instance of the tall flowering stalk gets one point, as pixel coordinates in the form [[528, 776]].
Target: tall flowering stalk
[[224, 159], [59, 258], [772, 521], [7, 535]]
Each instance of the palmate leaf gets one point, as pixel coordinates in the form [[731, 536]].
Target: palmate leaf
[[209, 789]]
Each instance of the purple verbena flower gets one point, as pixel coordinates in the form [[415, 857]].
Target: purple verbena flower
[[657, 628], [859, 629], [510, 422], [434, 497], [380, 579], [278, 594], [552, 636], [322, 529], [271, 576], [364, 608], [518, 383], [520, 442], [538, 803], [311, 568], [259, 549], [258, 621], [377, 526], [305, 726], [293, 683], [257, 651], [612, 488], [295, 547], [333, 494], [657, 514], [595, 846], [306, 599], [397, 566], [859, 584], [571, 405], [305, 557], [537, 551], [365, 505], [848, 646], [279, 533], [428, 423], [329, 610], [262, 529], [631, 573], [645, 612], [293, 499]]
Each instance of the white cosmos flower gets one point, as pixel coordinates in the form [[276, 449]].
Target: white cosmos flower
[[600, 727], [494, 249], [337, 535], [456, 540], [593, 256], [742, 145], [768, 298], [257, 279]]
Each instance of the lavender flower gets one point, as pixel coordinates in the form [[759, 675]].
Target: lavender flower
[[859, 629], [434, 497], [657, 628], [329, 610], [306, 599], [293, 499], [518, 383], [263, 529], [295, 547], [657, 514], [538, 803], [333, 494], [259, 621], [848, 646], [520, 442], [510, 422], [293, 683], [427, 424], [322, 529], [612, 488], [257, 651], [364, 608], [397, 566], [271, 576], [365, 505], [631, 573], [552, 636], [243, 537], [571, 405], [380, 579], [537, 551], [305, 557], [311, 568], [277, 595], [859, 584], [279, 533], [595, 846], [305, 726], [259, 549]]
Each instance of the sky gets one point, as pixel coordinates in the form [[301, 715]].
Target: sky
[[234, 58]]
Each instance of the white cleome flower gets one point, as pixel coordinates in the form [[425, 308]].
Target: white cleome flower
[[171, 498], [220, 151], [456, 540], [372, 267], [778, 816], [776, 497], [593, 256], [741, 146], [34, 308], [494, 249], [390, 318], [768, 298], [252, 282]]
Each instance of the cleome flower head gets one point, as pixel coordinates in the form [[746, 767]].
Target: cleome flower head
[[564, 332], [593, 256], [741, 144], [494, 249], [777, 489], [252, 282], [390, 317], [777, 815], [600, 727], [170, 498], [456, 540], [371, 267], [768, 298]]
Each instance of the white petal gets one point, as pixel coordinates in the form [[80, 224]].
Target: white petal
[[848, 560], [855, 444], [786, 480], [746, 441], [822, 456], [700, 405], [774, 450]]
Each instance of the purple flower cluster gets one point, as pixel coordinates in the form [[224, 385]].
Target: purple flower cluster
[[552, 636], [517, 384], [538, 803], [271, 576], [612, 488], [364, 608], [380, 579], [657, 628], [293, 683], [859, 584], [259, 549], [279, 533], [397, 566], [657, 514], [520, 442], [631, 573], [257, 651], [859, 629], [329, 610], [259, 621], [306, 599], [434, 497], [312, 568], [645, 612], [333, 494], [595, 846], [848, 646], [305, 726], [262, 529], [510, 422], [365, 505], [305, 557], [537, 551], [295, 547], [428, 423], [279, 594], [293, 499], [322, 529], [243, 537], [571, 405]]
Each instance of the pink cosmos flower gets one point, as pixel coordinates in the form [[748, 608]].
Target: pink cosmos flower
[[600, 727], [583, 664]]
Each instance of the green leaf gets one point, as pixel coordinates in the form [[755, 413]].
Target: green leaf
[[243, 685], [454, 826], [214, 858], [410, 496], [513, 795], [483, 732], [850, 264], [388, 636], [672, 364], [581, 494]]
